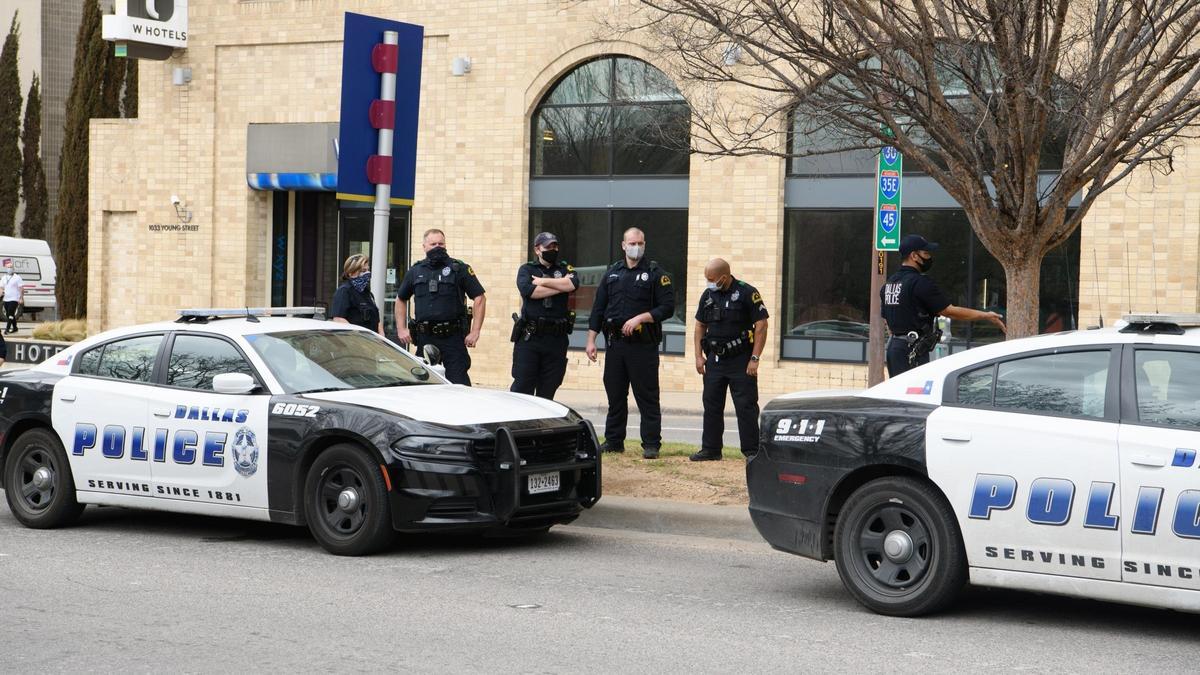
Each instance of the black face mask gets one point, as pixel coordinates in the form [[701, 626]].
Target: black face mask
[[550, 256], [924, 264], [437, 255]]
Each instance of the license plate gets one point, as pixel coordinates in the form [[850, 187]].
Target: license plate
[[544, 482]]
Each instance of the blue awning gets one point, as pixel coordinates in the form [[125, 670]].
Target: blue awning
[[300, 182]]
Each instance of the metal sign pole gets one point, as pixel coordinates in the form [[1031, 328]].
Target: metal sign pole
[[383, 189], [889, 175]]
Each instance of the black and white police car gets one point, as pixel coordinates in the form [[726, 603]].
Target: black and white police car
[[286, 419], [1064, 463]]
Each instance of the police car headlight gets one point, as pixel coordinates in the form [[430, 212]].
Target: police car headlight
[[432, 447]]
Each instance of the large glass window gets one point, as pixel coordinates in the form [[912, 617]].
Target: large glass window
[[1168, 388], [590, 239], [195, 360], [827, 274], [615, 115]]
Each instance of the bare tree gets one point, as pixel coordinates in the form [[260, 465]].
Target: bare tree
[[982, 95]]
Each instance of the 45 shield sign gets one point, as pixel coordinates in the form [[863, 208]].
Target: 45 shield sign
[[888, 180]]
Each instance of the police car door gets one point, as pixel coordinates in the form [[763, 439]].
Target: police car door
[[100, 413], [1026, 450], [216, 453], [1160, 466]]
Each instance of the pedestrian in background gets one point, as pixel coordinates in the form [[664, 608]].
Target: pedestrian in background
[[439, 285], [14, 295], [541, 331], [353, 301], [632, 302], [731, 331]]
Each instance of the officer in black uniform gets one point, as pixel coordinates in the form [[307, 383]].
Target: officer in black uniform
[[633, 300], [440, 316], [731, 331], [540, 331], [911, 303]]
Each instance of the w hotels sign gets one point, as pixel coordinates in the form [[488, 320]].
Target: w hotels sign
[[150, 28]]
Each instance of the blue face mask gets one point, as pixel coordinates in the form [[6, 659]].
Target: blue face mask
[[361, 282]]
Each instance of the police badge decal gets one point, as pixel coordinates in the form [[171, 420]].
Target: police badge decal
[[245, 452]]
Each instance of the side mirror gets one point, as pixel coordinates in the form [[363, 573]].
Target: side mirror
[[433, 355], [234, 383]]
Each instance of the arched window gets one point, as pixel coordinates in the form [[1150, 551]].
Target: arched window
[[610, 151], [615, 115]]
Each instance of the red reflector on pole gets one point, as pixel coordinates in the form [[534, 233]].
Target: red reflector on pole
[[379, 169], [382, 114], [385, 58], [793, 478]]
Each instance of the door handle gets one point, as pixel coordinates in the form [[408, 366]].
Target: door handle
[[1148, 460], [162, 412], [959, 436], [69, 398]]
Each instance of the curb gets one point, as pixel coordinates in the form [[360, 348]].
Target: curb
[[660, 516]]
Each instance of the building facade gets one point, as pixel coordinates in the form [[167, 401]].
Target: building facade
[[551, 128]]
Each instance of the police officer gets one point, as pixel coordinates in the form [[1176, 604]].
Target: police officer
[[632, 301], [440, 316], [540, 331], [731, 331], [911, 302]]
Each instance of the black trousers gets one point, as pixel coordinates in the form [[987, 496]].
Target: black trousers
[[897, 357], [455, 356], [10, 315], [729, 374], [632, 364], [539, 365]]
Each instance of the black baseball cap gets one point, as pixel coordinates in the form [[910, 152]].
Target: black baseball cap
[[915, 242], [545, 239]]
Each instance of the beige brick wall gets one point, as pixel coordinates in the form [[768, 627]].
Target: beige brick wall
[[279, 61]]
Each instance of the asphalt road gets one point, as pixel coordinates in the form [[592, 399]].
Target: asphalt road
[[675, 428], [143, 592]]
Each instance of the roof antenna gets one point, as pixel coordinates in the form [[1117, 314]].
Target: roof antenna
[[1096, 278], [1128, 280], [250, 317]]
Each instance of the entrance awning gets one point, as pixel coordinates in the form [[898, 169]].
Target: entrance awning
[[292, 157]]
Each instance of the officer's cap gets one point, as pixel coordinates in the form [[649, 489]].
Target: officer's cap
[[545, 239], [915, 242]]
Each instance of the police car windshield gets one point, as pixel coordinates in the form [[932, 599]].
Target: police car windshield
[[333, 360]]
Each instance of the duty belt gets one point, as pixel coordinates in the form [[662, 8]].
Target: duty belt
[[728, 347], [436, 328], [524, 329], [647, 333]]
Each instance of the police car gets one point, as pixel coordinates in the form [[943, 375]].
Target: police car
[[1065, 463], [286, 419]]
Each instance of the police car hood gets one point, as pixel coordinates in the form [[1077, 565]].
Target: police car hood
[[450, 404]]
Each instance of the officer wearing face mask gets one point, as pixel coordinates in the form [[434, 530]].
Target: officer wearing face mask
[[540, 331], [632, 301], [440, 317], [911, 304], [731, 331]]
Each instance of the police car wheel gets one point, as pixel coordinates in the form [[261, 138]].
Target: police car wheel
[[41, 489], [898, 548], [346, 502]]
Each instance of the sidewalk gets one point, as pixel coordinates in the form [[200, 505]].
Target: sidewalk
[[587, 401]]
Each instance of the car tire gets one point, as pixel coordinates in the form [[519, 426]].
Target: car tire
[[346, 502], [898, 548], [40, 487]]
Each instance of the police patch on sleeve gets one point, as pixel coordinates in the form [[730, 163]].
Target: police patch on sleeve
[[756, 298], [664, 280], [470, 271]]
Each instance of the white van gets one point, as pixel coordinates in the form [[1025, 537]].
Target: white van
[[32, 260]]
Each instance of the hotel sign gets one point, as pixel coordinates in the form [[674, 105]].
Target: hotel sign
[[148, 23]]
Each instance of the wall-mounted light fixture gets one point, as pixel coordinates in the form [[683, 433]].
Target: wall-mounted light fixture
[[184, 215], [461, 65], [181, 75]]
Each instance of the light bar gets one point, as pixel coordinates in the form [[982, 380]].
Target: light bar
[[234, 312], [1188, 320]]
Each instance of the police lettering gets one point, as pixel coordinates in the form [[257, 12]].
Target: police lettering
[[1050, 503], [185, 448]]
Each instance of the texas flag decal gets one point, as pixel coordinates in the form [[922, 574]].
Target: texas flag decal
[[921, 391]]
